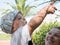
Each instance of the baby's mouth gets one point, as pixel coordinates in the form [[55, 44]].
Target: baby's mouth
[[50, 41]]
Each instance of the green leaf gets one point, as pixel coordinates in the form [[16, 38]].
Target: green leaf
[[11, 5], [26, 10], [5, 11], [20, 2]]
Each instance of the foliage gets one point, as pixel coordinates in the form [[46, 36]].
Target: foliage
[[39, 36], [5, 36], [21, 6]]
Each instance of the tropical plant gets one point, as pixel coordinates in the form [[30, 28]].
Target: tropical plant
[[21, 6]]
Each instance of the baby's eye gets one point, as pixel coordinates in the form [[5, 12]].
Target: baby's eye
[[57, 35]]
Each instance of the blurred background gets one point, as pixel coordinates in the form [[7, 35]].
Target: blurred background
[[31, 7]]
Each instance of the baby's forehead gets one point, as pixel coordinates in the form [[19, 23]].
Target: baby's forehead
[[54, 30]]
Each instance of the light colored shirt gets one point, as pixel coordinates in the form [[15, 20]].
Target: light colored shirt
[[21, 36]]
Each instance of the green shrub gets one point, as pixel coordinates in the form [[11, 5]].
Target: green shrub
[[5, 36], [39, 36]]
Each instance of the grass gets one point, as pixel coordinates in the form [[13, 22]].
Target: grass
[[5, 36]]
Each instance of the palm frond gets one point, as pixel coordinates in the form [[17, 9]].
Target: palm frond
[[12, 6], [26, 10], [5, 11]]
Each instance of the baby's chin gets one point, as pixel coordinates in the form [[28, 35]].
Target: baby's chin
[[49, 43]]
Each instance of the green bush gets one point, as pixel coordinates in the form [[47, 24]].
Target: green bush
[[5, 36], [39, 36]]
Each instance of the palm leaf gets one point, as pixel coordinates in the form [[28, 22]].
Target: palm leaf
[[21, 7], [20, 3], [11, 5], [5, 11], [26, 10]]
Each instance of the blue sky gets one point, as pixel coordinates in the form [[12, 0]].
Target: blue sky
[[3, 5]]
